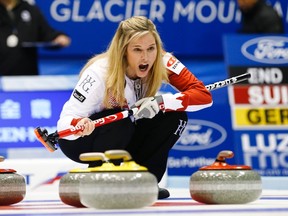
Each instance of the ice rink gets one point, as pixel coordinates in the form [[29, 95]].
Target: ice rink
[[47, 202], [271, 202]]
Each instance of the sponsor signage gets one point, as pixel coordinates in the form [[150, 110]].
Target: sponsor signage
[[256, 50], [253, 118], [92, 23], [21, 112], [265, 151], [259, 95], [259, 106], [201, 135], [268, 50], [205, 135]]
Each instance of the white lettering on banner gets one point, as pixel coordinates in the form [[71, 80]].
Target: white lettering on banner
[[273, 151], [265, 160], [118, 10], [272, 172], [277, 142], [19, 134], [189, 162], [204, 11], [41, 108], [265, 76], [10, 109], [273, 95], [278, 8], [68, 10], [269, 49], [199, 135]]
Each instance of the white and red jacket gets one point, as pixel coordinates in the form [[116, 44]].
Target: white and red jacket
[[88, 94]]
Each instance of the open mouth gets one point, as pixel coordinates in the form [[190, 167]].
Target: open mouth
[[143, 67]]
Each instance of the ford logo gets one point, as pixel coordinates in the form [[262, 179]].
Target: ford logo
[[269, 50], [200, 135]]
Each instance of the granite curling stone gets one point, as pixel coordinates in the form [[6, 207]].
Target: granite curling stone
[[124, 186], [221, 183], [69, 183], [13, 186]]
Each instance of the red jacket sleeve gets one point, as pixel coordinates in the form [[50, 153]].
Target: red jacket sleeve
[[192, 95]]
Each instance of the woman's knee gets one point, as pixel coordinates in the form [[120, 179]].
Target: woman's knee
[[73, 149]]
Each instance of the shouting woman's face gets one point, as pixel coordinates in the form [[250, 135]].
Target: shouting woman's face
[[141, 55]]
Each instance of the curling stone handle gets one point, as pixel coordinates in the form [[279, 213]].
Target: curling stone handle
[[224, 154], [2, 158], [118, 154], [92, 156]]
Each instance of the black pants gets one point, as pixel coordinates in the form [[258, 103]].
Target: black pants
[[148, 140]]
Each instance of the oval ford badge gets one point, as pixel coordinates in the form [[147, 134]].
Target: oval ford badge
[[200, 135], [269, 50]]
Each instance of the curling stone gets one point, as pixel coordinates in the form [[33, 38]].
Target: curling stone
[[69, 183], [221, 183], [13, 186], [124, 186]]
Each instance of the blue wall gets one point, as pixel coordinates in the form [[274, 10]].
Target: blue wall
[[189, 28]]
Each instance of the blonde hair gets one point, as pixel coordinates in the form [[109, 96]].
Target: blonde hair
[[128, 30]]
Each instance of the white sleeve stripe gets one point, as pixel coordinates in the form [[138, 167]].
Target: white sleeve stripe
[[172, 103], [193, 108], [172, 63]]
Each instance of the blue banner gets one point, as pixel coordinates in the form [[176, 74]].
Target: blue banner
[[256, 50], [187, 27], [259, 107], [265, 151], [208, 132], [21, 112]]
